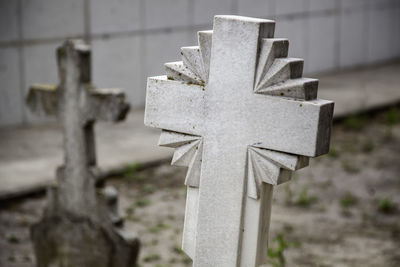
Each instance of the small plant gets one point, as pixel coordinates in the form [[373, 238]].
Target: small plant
[[348, 200], [386, 205], [276, 251], [130, 210], [158, 227], [304, 199], [11, 258], [132, 168], [151, 257], [186, 260], [13, 239], [368, 146], [131, 172], [141, 202], [355, 122], [176, 249], [148, 188], [333, 152], [391, 117], [350, 168]]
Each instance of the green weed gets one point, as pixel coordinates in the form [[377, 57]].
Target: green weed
[[276, 251], [158, 227], [151, 257], [386, 205], [333, 152], [348, 200], [368, 146], [355, 122], [176, 249], [141, 202], [131, 172], [148, 188], [304, 199], [391, 116], [13, 239]]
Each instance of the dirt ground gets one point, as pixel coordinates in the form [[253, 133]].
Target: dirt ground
[[341, 211]]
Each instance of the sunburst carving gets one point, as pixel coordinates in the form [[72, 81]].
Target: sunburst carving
[[271, 167], [195, 64], [188, 153], [277, 75]]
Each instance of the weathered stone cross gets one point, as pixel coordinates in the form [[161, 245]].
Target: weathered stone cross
[[77, 105], [241, 117], [77, 229]]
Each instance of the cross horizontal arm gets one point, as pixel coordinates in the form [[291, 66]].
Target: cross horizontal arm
[[292, 126], [107, 104], [43, 99], [174, 105]]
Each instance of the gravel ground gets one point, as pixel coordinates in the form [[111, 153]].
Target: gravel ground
[[342, 211]]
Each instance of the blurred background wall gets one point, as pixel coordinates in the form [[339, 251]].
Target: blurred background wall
[[132, 39]]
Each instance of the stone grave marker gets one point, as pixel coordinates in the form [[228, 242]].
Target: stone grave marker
[[80, 226], [241, 117]]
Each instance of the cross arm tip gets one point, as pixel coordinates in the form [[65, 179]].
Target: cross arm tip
[[109, 104], [42, 99], [324, 127]]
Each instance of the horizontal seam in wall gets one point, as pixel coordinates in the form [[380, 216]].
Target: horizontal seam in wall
[[126, 34]]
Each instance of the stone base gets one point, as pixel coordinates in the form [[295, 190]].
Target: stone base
[[74, 241], [92, 238]]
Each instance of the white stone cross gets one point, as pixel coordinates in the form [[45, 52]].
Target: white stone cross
[[242, 118], [78, 105]]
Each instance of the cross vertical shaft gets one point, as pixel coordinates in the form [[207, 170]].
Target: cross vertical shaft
[[229, 95], [74, 74]]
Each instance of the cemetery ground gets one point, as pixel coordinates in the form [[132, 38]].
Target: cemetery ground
[[342, 211]]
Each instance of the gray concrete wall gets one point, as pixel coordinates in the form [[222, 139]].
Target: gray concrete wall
[[132, 39]]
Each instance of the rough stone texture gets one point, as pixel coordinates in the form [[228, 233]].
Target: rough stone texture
[[77, 228], [240, 128]]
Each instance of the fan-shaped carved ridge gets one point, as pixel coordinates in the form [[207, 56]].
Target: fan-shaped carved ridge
[[192, 59], [278, 75], [188, 153], [178, 71], [205, 43], [270, 167], [195, 64], [270, 49], [302, 88], [175, 139], [281, 70]]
